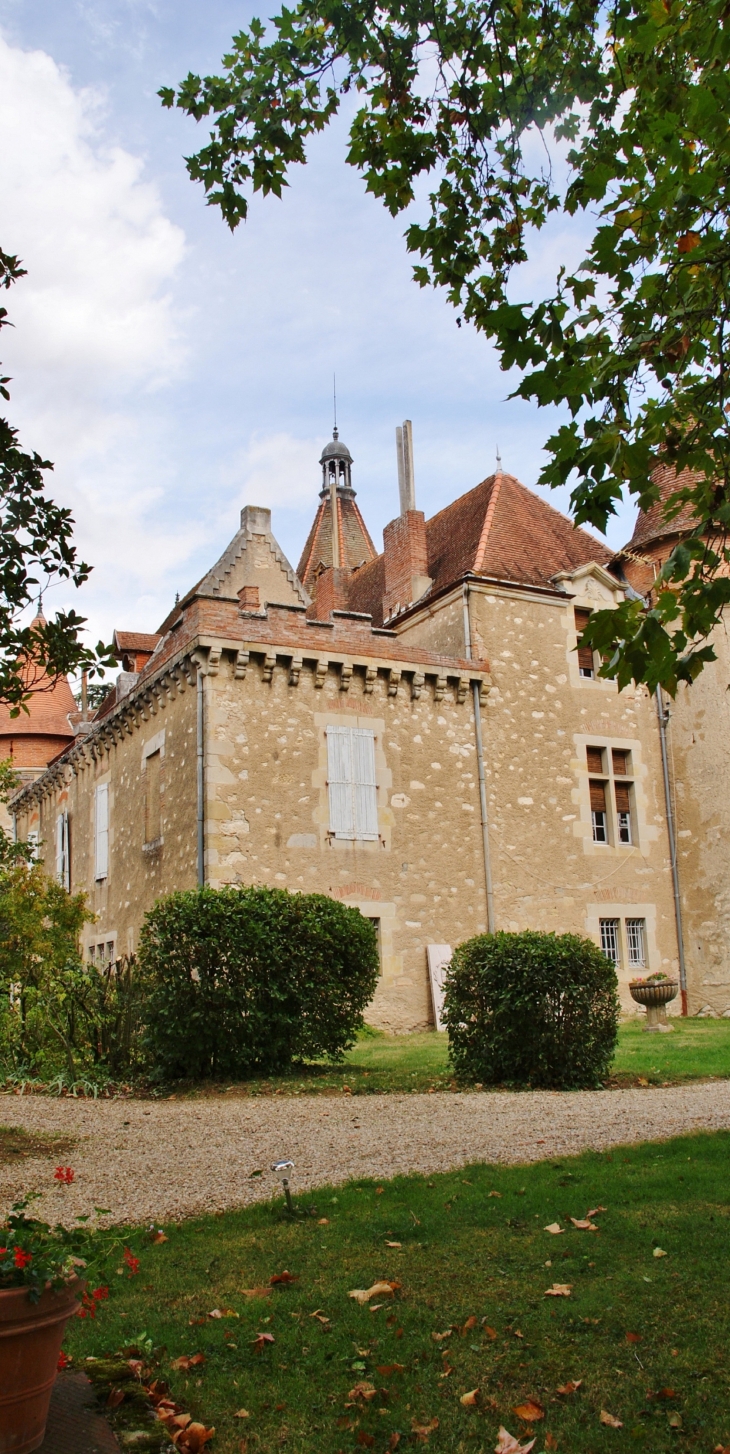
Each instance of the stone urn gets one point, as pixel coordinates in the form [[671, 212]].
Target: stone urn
[[655, 994]]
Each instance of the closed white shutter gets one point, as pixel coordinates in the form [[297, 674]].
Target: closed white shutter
[[364, 785], [339, 782], [101, 834], [62, 860]]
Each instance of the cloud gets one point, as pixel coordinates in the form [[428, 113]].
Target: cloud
[[98, 332], [277, 470]]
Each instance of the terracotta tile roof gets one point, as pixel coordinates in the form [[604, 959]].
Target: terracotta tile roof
[[499, 529], [355, 543], [47, 715], [652, 524], [136, 640]]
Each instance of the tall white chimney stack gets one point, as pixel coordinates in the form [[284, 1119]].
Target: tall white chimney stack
[[406, 479]]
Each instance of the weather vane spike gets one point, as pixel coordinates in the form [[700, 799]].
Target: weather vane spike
[[334, 398], [499, 461], [40, 604]]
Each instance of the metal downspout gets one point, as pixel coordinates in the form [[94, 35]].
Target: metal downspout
[[480, 769], [200, 704], [662, 718]]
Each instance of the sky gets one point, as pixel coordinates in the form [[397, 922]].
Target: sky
[[175, 372]]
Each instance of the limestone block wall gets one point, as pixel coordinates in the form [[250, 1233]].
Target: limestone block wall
[[268, 817], [539, 718]]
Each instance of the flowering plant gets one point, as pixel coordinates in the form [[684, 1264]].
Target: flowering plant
[[657, 977], [37, 1256]]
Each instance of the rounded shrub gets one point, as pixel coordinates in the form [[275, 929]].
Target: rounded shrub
[[243, 981], [531, 1009]]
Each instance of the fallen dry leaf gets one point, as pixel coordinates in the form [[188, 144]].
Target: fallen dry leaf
[[362, 1437], [469, 1324], [550, 1441], [116, 1397], [422, 1431], [394, 1440], [379, 1289], [633, 1337], [570, 1386], [255, 1292], [642, 1080], [494, 1193], [586, 1225], [439, 1337], [158, 1238], [507, 1444], [196, 1322], [471, 1399], [363, 1390], [659, 1252], [559, 1289], [674, 1420], [555, 1228], [242, 1414], [261, 1340], [323, 1222], [321, 1318], [392, 1244], [609, 1419], [223, 1313], [283, 1278], [593, 1211], [192, 1439], [667, 1393], [387, 1369], [490, 1332], [188, 1360], [530, 1411], [379, 1191]]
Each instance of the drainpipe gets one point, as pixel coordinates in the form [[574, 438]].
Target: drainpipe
[[480, 769], [200, 703], [663, 717]]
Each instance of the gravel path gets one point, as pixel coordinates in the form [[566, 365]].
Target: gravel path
[[169, 1159]]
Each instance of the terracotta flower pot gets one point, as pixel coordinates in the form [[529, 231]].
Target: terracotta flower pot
[[656, 995], [31, 1335]]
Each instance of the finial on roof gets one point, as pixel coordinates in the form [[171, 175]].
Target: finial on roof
[[39, 612], [177, 598], [499, 462], [334, 400]]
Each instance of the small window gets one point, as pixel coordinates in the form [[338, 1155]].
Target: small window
[[586, 664], [621, 763], [353, 794], [594, 756], [635, 942], [101, 831], [598, 811], [62, 858], [609, 939], [623, 812], [153, 823]]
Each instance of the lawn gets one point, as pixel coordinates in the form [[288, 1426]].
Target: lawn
[[643, 1333], [696, 1049]]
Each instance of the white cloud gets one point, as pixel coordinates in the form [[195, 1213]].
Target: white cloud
[[277, 471]]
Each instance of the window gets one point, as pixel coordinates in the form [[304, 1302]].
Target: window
[[621, 760], [635, 942], [609, 939], [586, 664], [623, 812], [598, 811], [353, 801], [101, 831], [63, 867], [152, 824]]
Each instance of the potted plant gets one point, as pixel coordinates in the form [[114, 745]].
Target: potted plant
[[45, 1274], [655, 992]]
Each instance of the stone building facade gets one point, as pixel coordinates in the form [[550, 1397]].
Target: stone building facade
[[411, 732]]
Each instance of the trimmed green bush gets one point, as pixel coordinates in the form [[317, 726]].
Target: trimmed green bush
[[531, 1009], [243, 981]]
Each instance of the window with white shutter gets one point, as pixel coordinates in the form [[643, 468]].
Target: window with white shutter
[[353, 798], [63, 867], [101, 831]]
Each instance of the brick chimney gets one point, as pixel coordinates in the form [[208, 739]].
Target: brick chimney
[[406, 561], [330, 592]]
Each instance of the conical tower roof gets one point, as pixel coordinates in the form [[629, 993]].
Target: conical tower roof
[[39, 733], [652, 525], [355, 546]]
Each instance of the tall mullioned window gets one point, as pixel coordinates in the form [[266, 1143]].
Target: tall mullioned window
[[351, 783], [611, 795], [101, 831], [586, 658]]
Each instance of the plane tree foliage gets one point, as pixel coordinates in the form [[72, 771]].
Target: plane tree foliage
[[505, 115], [36, 550]]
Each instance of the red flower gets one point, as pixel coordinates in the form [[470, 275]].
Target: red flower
[[22, 1258], [88, 1306], [100, 1293], [3, 1251], [131, 1261], [64, 1174], [63, 1361]]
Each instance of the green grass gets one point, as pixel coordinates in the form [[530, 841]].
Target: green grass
[[464, 1255], [696, 1049]]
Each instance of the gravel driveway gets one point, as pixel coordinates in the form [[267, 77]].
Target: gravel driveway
[[168, 1159]]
